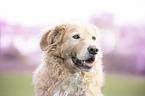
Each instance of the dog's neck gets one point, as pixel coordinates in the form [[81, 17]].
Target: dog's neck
[[63, 79]]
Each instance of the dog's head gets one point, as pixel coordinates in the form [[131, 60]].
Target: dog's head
[[75, 43]]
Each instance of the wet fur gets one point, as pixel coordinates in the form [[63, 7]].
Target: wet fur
[[56, 76]]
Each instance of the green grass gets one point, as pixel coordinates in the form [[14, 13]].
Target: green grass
[[12, 84], [124, 86]]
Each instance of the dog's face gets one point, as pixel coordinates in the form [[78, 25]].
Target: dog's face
[[76, 43]]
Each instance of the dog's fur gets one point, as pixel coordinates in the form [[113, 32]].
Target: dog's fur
[[57, 75]]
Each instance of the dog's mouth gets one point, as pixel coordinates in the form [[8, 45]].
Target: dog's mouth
[[84, 65]]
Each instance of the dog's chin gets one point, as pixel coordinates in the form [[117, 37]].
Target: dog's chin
[[84, 65]]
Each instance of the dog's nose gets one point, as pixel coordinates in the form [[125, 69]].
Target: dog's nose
[[93, 50]]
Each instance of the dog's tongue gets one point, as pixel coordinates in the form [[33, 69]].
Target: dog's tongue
[[89, 64]]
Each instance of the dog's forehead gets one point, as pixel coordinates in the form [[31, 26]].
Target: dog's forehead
[[89, 30], [82, 29]]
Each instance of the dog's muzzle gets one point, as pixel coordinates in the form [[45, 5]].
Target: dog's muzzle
[[86, 65]]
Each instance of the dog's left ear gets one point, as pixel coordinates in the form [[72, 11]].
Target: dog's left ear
[[52, 37], [57, 34]]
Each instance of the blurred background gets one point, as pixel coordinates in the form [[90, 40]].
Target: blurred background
[[122, 28]]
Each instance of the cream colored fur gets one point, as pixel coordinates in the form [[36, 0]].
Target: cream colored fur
[[57, 75]]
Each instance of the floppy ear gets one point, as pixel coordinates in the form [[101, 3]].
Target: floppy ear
[[43, 41], [52, 37]]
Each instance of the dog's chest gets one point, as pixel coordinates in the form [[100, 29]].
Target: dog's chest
[[72, 86]]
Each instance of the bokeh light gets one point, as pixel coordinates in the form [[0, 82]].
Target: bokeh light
[[122, 30]]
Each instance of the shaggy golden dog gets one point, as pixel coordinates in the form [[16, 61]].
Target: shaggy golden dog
[[71, 63]]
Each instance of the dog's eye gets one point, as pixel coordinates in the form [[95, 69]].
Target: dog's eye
[[76, 37], [94, 38]]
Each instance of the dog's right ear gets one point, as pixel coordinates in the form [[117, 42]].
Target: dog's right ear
[[44, 42], [51, 38]]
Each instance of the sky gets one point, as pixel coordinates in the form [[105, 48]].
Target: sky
[[33, 12]]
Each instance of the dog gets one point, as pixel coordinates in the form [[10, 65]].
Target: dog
[[71, 61]]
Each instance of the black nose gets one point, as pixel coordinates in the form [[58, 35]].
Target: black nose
[[93, 50]]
